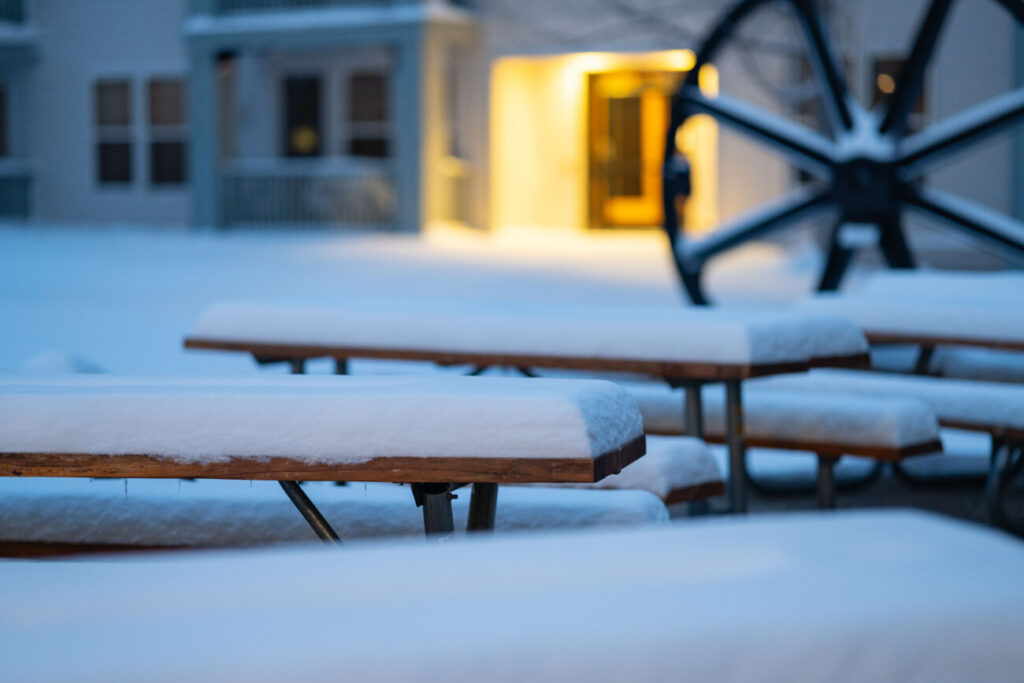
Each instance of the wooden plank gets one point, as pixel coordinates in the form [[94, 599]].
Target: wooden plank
[[880, 337], [688, 494], [707, 371], [386, 469]]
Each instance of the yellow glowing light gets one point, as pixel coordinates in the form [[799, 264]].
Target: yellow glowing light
[[683, 59], [707, 79], [886, 83]]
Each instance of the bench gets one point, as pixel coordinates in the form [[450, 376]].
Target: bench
[[828, 424], [685, 347], [432, 432], [58, 516], [850, 596], [989, 407]]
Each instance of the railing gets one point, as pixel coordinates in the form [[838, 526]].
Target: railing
[[241, 6], [15, 189], [321, 192], [12, 11]]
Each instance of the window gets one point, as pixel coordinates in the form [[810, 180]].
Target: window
[[368, 115], [166, 105], [302, 133], [113, 114], [3, 122], [885, 74]]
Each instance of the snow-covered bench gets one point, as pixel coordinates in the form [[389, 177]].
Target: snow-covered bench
[[60, 516], [828, 424], [687, 347], [432, 432], [854, 596], [993, 408]]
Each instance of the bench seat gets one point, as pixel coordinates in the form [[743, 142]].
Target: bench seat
[[821, 422], [991, 407], [677, 469], [67, 515]]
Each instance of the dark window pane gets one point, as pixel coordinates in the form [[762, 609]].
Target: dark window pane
[[113, 103], [367, 98], [167, 163], [114, 162], [302, 116], [166, 103], [368, 147], [3, 123]]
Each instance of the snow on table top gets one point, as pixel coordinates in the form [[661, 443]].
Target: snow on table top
[[316, 419], [206, 512], [802, 416], [968, 286], [969, 320], [683, 335], [930, 599], [952, 400]]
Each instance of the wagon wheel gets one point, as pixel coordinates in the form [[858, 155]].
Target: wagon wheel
[[867, 168]]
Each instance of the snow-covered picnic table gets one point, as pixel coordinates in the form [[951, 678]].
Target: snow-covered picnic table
[[686, 347], [934, 308], [867, 596], [431, 431]]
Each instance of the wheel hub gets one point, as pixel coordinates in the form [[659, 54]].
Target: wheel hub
[[866, 190]]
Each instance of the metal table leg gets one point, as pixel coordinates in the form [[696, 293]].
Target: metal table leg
[[436, 500], [309, 512], [341, 366], [737, 448], [827, 482], [298, 366], [693, 415], [483, 503]]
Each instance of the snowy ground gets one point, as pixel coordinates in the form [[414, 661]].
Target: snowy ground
[[122, 298]]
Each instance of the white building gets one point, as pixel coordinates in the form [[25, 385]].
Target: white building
[[399, 113]]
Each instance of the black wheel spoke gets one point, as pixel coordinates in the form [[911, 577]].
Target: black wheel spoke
[[775, 215], [969, 216], [825, 67], [1014, 7], [804, 148], [909, 84], [966, 128]]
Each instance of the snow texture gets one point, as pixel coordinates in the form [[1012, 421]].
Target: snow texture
[[671, 463], [866, 596], [791, 414], [952, 400], [969, 320], [944, 286], [209, 512], [731, 336], [989, 365], [316, 419]]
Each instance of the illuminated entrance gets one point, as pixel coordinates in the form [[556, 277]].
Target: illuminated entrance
[[577, 141]]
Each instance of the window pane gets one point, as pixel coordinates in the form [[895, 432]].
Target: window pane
[[167, 163], [166, 103], [3, 123], [367, 98], [302, 134], [113, 103], [114, 162], [368, 147]]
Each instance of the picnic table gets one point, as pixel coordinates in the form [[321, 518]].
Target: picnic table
[[685, 347], [435, 433], [933, 309]]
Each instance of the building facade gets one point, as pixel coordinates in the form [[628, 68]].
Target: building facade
[[393, 114]]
